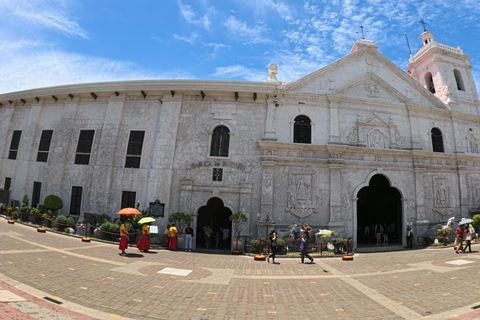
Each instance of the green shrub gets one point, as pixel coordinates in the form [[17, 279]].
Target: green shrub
[[110, 227], [26, 201], [61, 221], [15, 215], [71, 221], [67, 230], [281, 242], [35, 212], [53, 202], [476, 221]]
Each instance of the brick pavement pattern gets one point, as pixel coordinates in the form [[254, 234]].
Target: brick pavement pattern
[[91, 281]]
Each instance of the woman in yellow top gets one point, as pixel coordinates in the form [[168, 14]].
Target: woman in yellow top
[[144, 243], [173, 237], [123, 238]]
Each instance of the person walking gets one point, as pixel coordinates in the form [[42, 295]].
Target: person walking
[[459, 234], [467, 236], [208, 236], [273, 246], [409, 238], [144, 243], [188, 238], [123, 238], [305, 242], [172, 233], [385, 234]]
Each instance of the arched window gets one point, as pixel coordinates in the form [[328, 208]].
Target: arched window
[[458, 80], [220, 142], [429, 82], [437, 140], [302, 130]]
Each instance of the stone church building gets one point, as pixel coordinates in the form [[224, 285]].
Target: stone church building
[[352, 144]]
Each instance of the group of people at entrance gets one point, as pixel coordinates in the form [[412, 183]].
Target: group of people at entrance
[[303, 245], [171, 236]]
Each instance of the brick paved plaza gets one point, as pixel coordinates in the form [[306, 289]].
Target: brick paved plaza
[[55, 276]]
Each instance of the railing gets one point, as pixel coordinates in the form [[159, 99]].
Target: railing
[[434, 44]]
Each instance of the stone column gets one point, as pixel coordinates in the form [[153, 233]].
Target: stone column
[[266, 206], [462, 179], [415, 126], [270, 134], [336, 222], [163, 154], [245, 205], [107, 140], [334, 102]]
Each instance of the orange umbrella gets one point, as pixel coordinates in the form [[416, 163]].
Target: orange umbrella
[[129, 212]]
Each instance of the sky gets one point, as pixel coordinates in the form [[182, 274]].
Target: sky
[[57, 42]]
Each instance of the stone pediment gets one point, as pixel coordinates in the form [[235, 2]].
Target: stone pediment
[[372, 86], [366, 74]]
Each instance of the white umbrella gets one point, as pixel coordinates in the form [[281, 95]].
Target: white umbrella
[[465, 221]]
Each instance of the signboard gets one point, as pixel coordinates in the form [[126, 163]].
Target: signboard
[[156, 208], [153, 229]]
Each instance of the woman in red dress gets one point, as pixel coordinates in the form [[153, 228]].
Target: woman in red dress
[[144, 243], [123, 238]]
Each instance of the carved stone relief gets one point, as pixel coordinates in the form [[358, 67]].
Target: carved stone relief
[[372, 89], [376, 139], [300, 197], [472, 144], [441, 197]]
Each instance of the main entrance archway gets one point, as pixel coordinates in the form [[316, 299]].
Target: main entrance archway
[[215, 215], [379, 203]]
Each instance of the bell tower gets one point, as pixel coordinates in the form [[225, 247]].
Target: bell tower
[[445, 71]]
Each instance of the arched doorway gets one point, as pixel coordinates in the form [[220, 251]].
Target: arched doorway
[[215, 215], [379, 203]]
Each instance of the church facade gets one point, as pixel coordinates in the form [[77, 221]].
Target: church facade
[[356, 143]]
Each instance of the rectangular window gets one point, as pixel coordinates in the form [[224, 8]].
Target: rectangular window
[[37, 187], [84, 147], [134, 150], [128, 199], [14, 145], [8, 183], [44, 146], [76, 200]]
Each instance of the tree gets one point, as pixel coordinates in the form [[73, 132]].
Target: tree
[[53, 202], [181, 220], [238, 219]]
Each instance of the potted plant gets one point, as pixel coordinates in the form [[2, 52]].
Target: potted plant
[[25, 209], [47, 219], [60, 222], [35, 216], [238, 219]]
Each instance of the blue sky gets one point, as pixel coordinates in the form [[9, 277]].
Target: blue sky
[[56, 42]]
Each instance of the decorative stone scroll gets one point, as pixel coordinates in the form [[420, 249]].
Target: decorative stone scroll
[[300, 199]]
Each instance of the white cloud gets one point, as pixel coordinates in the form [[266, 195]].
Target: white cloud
[[50, 68], [255, 34], [238, 71], [49, 14], [192, 17], [190, 39]]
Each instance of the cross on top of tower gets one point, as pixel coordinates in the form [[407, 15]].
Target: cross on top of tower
[[424, 23]]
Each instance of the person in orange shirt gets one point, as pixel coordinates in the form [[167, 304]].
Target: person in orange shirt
[[172, 233], [123, 238], [144, 243]]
